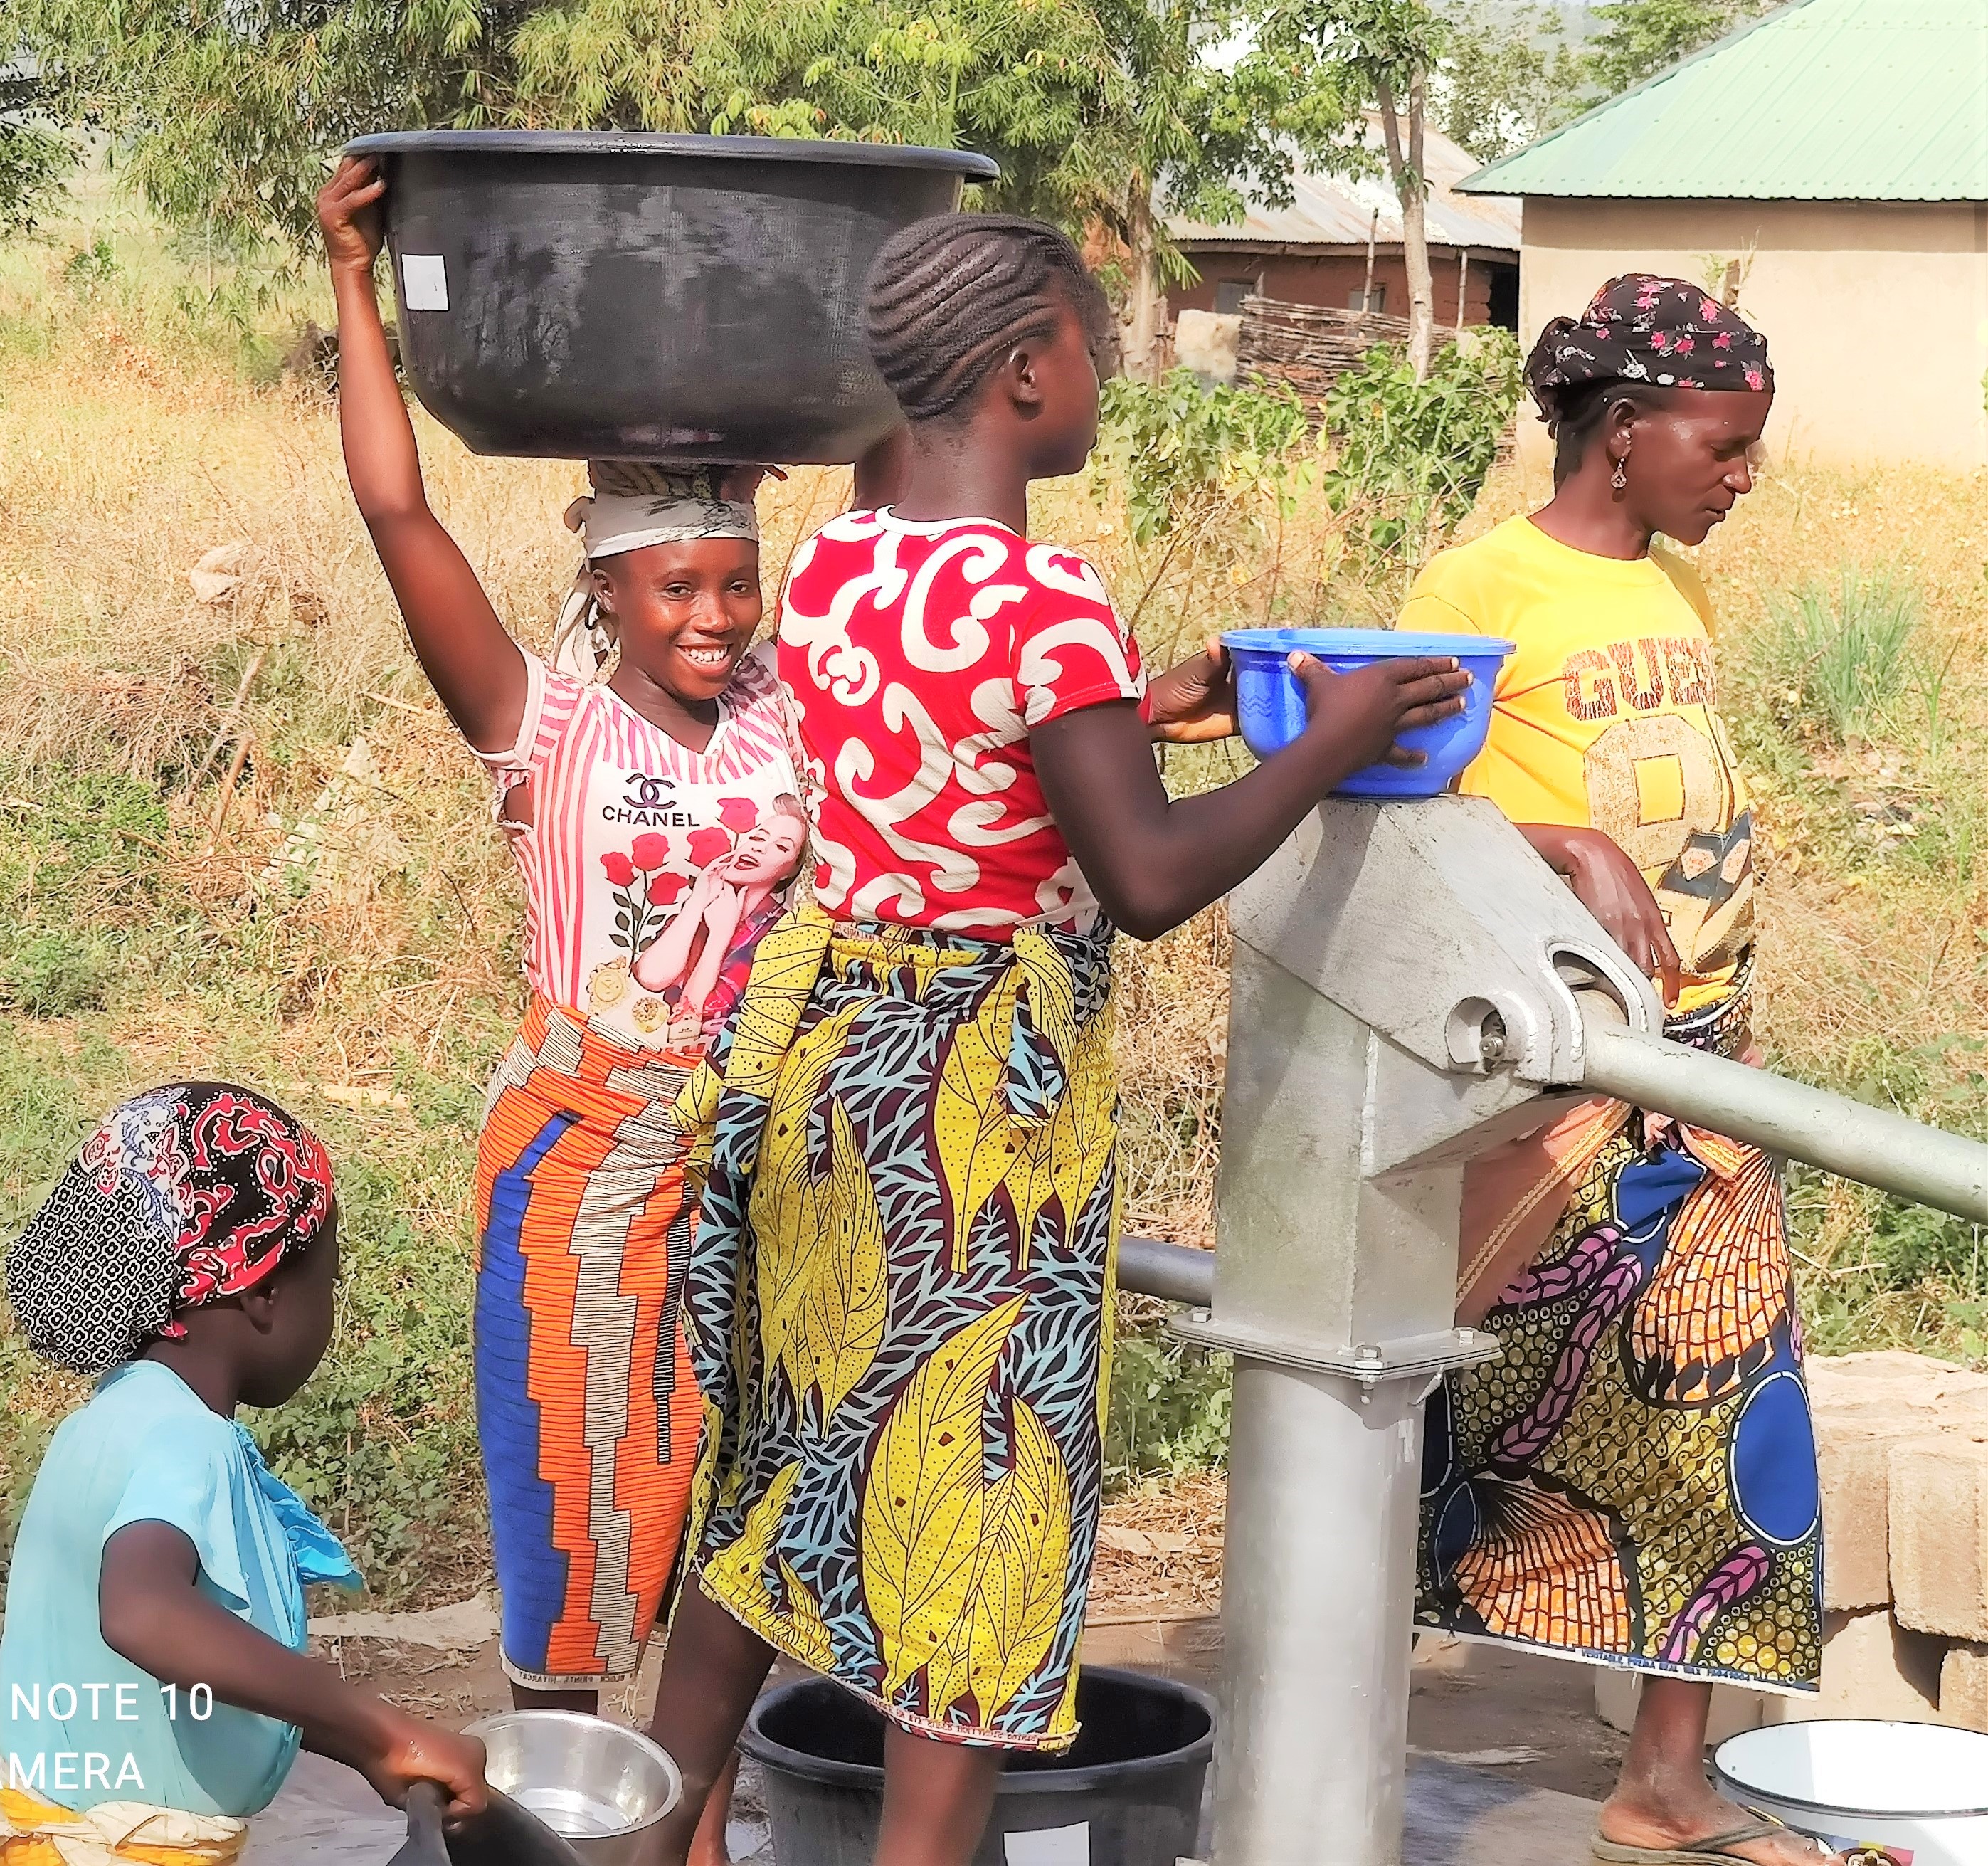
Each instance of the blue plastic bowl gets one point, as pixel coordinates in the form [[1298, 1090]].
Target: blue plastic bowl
[[1270, 697]]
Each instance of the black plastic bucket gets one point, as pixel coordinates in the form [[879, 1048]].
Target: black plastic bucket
[[1128, 1794], [620, 295]]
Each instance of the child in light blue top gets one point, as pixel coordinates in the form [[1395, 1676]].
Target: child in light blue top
[[155, 1632], [82, 1722]]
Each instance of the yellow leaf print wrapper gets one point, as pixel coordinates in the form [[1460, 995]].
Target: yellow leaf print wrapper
[[922, 1512], [901, 1287], [975, 1133]]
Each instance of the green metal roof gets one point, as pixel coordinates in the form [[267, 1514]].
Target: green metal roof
[[1821, 100]]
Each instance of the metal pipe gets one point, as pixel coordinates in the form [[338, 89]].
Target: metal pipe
[[1318, 1569], [1873, 1145], [1175, 1273]]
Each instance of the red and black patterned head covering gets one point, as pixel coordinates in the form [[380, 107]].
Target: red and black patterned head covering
[[1661, 332], [187, 1193]]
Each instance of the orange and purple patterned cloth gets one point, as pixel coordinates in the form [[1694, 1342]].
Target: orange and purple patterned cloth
[[1634, 1482]]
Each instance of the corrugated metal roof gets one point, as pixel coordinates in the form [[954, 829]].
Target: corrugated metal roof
[[1822, 100], [1334, 211]]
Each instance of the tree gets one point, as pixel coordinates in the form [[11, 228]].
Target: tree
[[1102, 113], [1508, 77], [1106, 115], [1183, 136], [34, 157], [227, 110], [1389, 49], [1639, 37]]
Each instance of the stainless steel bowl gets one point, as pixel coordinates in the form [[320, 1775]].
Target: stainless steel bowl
[[598, 1785]]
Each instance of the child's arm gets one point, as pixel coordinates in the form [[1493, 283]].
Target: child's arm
[[477, 670], [153, 1614], [1611, 888], [1153, 862]]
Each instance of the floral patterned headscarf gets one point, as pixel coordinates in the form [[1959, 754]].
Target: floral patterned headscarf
[[186, 1194], [1641, 328]]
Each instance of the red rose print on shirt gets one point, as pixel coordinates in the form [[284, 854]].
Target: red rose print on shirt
[[617, 868], [665, 887], [738, 813], [707, 844], [649, 850]]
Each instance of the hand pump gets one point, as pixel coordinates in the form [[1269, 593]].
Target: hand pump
[[1410, 986]]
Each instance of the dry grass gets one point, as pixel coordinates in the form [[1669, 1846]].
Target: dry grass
[[131, 443], [1159, 1549]]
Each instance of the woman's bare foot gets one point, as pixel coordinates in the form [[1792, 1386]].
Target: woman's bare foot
[[1693, 1813], [1662, 1798]]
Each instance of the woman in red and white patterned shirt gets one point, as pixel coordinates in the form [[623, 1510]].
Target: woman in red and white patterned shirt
[[898, 1298]]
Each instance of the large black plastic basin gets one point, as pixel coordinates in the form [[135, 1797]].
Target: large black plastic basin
[[618, 295], [1128, 1793]]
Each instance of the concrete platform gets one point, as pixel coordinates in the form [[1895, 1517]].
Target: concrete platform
[[1507, 1759], [326, 1816], [1463, 1817]]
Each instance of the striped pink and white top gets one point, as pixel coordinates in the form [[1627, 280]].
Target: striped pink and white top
[[651, 870]]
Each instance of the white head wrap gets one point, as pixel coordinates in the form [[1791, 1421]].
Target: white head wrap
[[635, 503]]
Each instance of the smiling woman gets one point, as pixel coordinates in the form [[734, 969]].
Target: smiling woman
[[646, 786]]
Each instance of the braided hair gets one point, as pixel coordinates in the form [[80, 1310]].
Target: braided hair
[[949, 296]]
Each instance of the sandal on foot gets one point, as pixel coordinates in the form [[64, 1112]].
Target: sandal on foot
[[1716, 1851]]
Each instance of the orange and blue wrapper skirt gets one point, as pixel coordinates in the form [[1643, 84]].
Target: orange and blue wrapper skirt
[[587, 1406]]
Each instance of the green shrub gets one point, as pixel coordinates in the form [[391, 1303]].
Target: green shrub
[[1169, 1410], [59, 973], [1183, 449], [1410, 458], [89, 269]]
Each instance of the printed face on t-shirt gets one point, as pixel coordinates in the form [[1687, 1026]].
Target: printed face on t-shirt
[[770, 851]]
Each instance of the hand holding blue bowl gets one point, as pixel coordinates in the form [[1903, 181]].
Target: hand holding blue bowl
[[1272, 704]]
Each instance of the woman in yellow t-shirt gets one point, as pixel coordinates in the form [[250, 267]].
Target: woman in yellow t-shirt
[[1634, 1481]]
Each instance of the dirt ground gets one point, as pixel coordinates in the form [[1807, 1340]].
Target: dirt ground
[[1155, 1606], [1529, 1720]]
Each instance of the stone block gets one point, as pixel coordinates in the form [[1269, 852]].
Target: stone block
[[1852, 1461], [1872, 1667], [1836, 1377], [1618, 1691], [1205, 342], [1864, 1405], [1938, 1534], [1963, 1687]]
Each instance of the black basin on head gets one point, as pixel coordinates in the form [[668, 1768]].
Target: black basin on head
[[622, 295]]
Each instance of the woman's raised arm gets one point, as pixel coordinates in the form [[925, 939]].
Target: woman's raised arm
[[478, 671]]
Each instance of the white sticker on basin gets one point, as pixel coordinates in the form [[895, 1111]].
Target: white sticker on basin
[[424, 282], [1051, 1846]]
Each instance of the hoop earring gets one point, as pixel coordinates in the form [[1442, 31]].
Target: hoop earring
[[1619, 480]]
